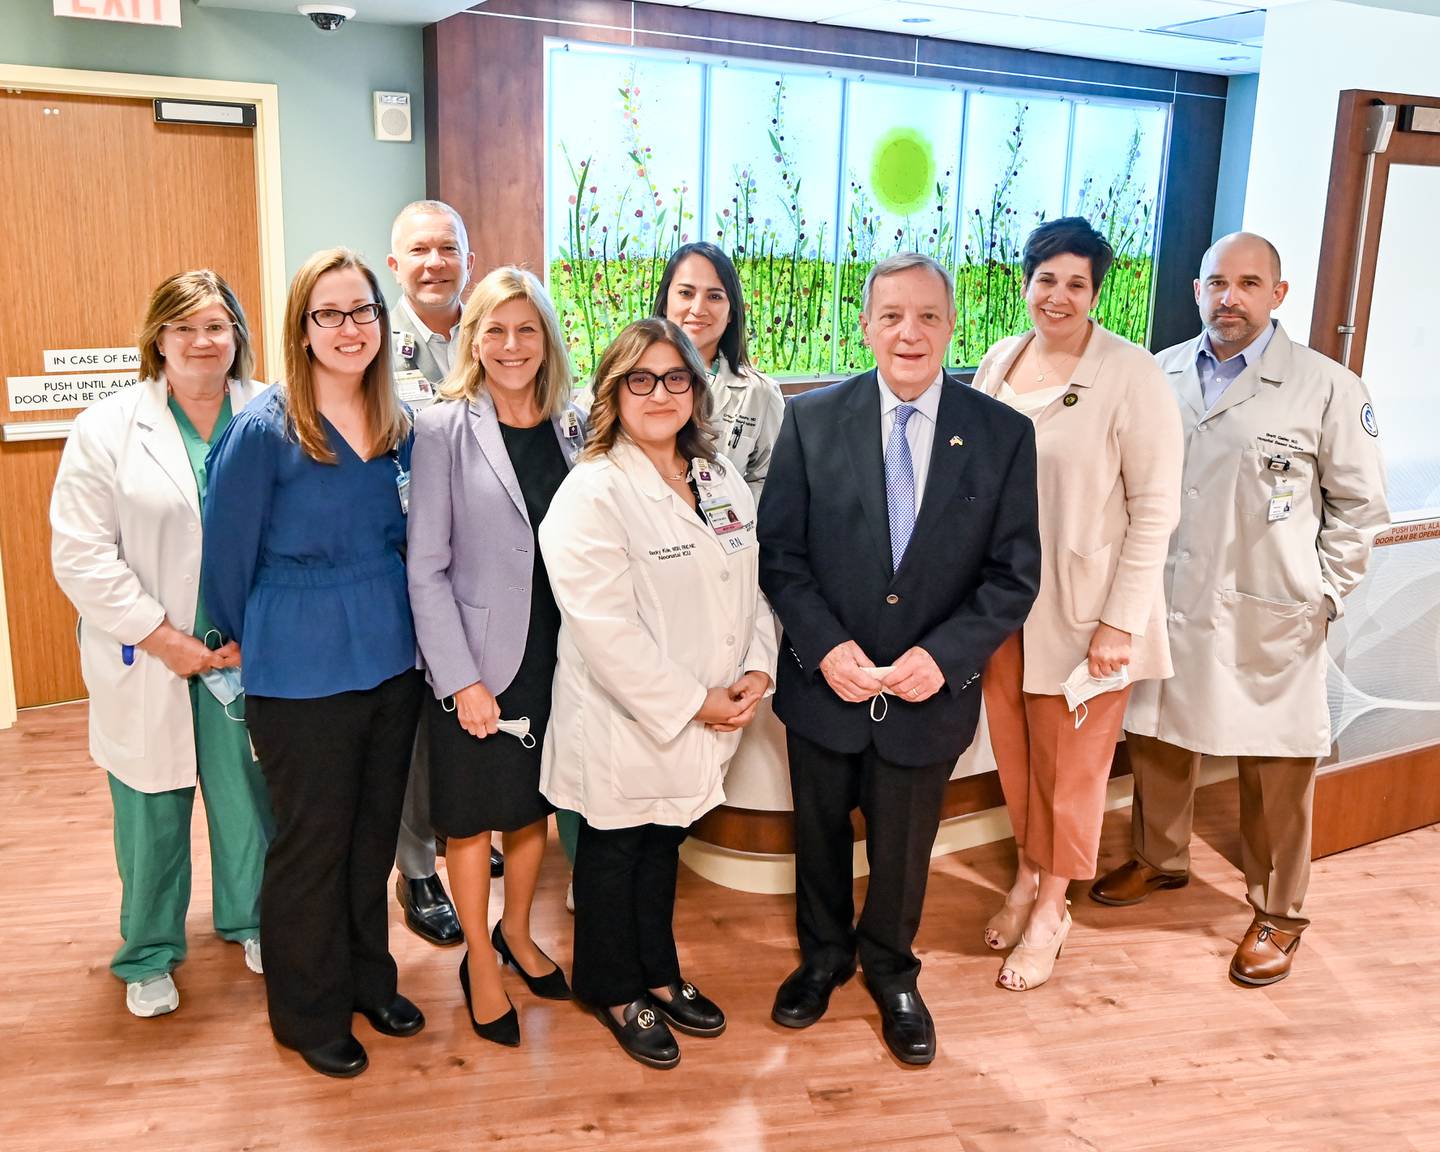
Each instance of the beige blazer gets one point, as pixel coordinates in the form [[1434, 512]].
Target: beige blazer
[[1251, 589], [1109, 487]]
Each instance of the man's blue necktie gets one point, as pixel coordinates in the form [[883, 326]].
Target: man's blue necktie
[[899, 486]]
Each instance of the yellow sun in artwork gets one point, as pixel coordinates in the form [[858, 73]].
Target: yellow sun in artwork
[[902, 171]]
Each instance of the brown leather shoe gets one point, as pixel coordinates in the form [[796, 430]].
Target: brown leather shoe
[[1264, 956], [1132, 882]]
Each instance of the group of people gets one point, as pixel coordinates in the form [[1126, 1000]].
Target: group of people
[[417, 592]]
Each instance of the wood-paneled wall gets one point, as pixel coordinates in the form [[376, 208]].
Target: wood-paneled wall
[[485, 112]]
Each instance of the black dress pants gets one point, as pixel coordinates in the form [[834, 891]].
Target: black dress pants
[[624, 912], [901, 806], [336, 767]]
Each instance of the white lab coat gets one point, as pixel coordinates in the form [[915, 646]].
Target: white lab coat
[[748, 413], [655, 609], [1250, 590], [125, 548]]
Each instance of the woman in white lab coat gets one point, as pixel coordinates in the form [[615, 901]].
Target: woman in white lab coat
[[666, 647], [125, 518]]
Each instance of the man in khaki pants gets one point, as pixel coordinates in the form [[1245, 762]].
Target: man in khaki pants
[[1282, 496]]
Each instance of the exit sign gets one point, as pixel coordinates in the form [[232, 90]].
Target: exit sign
[[165, 13]]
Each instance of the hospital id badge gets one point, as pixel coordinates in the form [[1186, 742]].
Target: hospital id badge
[[413, 388], [1280, 501], [725, 522], [402, 487]]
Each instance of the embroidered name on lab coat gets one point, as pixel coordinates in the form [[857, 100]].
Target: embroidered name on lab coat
[[671, 552]]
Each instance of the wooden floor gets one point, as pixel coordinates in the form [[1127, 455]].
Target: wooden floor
[[1140, 1042]]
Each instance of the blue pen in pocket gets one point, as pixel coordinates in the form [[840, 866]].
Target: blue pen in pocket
[[127, 654]]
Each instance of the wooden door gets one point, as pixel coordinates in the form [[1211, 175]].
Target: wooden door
[[1374, 312], [98, 204]]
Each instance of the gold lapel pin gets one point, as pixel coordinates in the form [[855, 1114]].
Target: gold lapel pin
[[956, 442], [1071, 399]]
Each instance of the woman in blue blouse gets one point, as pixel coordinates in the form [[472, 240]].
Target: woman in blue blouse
[[304, 567]]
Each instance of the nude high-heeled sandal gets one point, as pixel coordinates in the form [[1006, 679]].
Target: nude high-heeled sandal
[[1030, 965], [1003, 929]]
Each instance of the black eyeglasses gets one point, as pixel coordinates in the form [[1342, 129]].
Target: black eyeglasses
[[333, 317], [677, 381]]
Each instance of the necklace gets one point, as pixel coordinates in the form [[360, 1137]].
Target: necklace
[[678, 476], [1045, 369]]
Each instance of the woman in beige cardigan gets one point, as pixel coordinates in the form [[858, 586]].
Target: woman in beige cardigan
[[1110, 447]]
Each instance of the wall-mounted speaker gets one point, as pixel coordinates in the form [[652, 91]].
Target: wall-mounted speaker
[[392, 116]]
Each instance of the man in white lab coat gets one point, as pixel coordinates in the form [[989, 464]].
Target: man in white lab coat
[[1283, 495]]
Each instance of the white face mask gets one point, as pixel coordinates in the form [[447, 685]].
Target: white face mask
[[879, 698], [520, 728], [1081, 686]]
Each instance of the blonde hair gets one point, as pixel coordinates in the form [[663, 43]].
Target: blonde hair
[[183, 295], [553, 381], [695, 438], [385, 416]]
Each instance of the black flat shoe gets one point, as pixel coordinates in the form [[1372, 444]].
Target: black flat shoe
[[689, 1011], [804, 995], [428, 911], [550, 986], [504, 1029], [398, 1018], [643, 1036], [340, 1058], [906, 1026], [497, 863]]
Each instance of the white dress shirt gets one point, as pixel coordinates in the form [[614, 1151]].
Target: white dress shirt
[[920, 433]]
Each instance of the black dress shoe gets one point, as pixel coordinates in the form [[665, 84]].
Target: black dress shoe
[[803, 997], [504, 1029], [497, 863], [689, 1011], [644, 1035], [550, 986], [428, 911], [906, 1025], [340, 1058], [398, 1018]]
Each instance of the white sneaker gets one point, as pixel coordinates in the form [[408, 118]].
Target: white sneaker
[[153, 997], [252, 955], [570, 896]]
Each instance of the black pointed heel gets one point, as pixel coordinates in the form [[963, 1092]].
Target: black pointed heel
[[550, 986], [504, 1029]]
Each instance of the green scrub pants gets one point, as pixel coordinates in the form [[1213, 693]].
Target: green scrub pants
[[152, 847]]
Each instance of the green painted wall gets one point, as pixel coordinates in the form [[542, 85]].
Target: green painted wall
[[340, 185]]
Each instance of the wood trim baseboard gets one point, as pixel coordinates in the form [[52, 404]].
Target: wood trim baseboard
[[1354, 805], [1375, 799]]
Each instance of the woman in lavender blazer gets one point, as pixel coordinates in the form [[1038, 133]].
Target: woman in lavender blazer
[[487, 461]]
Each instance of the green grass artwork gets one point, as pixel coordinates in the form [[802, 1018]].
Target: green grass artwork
[[803, 277]]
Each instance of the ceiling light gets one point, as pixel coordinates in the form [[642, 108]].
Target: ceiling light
[[915, 20]]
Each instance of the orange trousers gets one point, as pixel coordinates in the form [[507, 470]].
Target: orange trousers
[[1053, 774]]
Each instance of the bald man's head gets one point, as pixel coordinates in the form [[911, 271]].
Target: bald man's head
[[1238, 288], [1250, 242]]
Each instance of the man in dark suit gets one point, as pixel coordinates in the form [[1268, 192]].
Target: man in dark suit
[[899, 545]]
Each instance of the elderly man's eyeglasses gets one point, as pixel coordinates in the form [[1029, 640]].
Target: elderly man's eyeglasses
[[677, 382], [333, 317], [214, 330]]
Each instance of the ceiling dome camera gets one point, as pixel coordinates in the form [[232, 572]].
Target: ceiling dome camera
[[327, 17]]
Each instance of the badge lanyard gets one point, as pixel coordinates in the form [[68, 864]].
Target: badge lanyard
[[402, 482]]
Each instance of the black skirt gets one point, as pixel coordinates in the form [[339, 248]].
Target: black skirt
[[493, 785]]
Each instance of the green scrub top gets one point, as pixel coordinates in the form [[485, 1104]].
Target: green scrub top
[[197, 448]]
